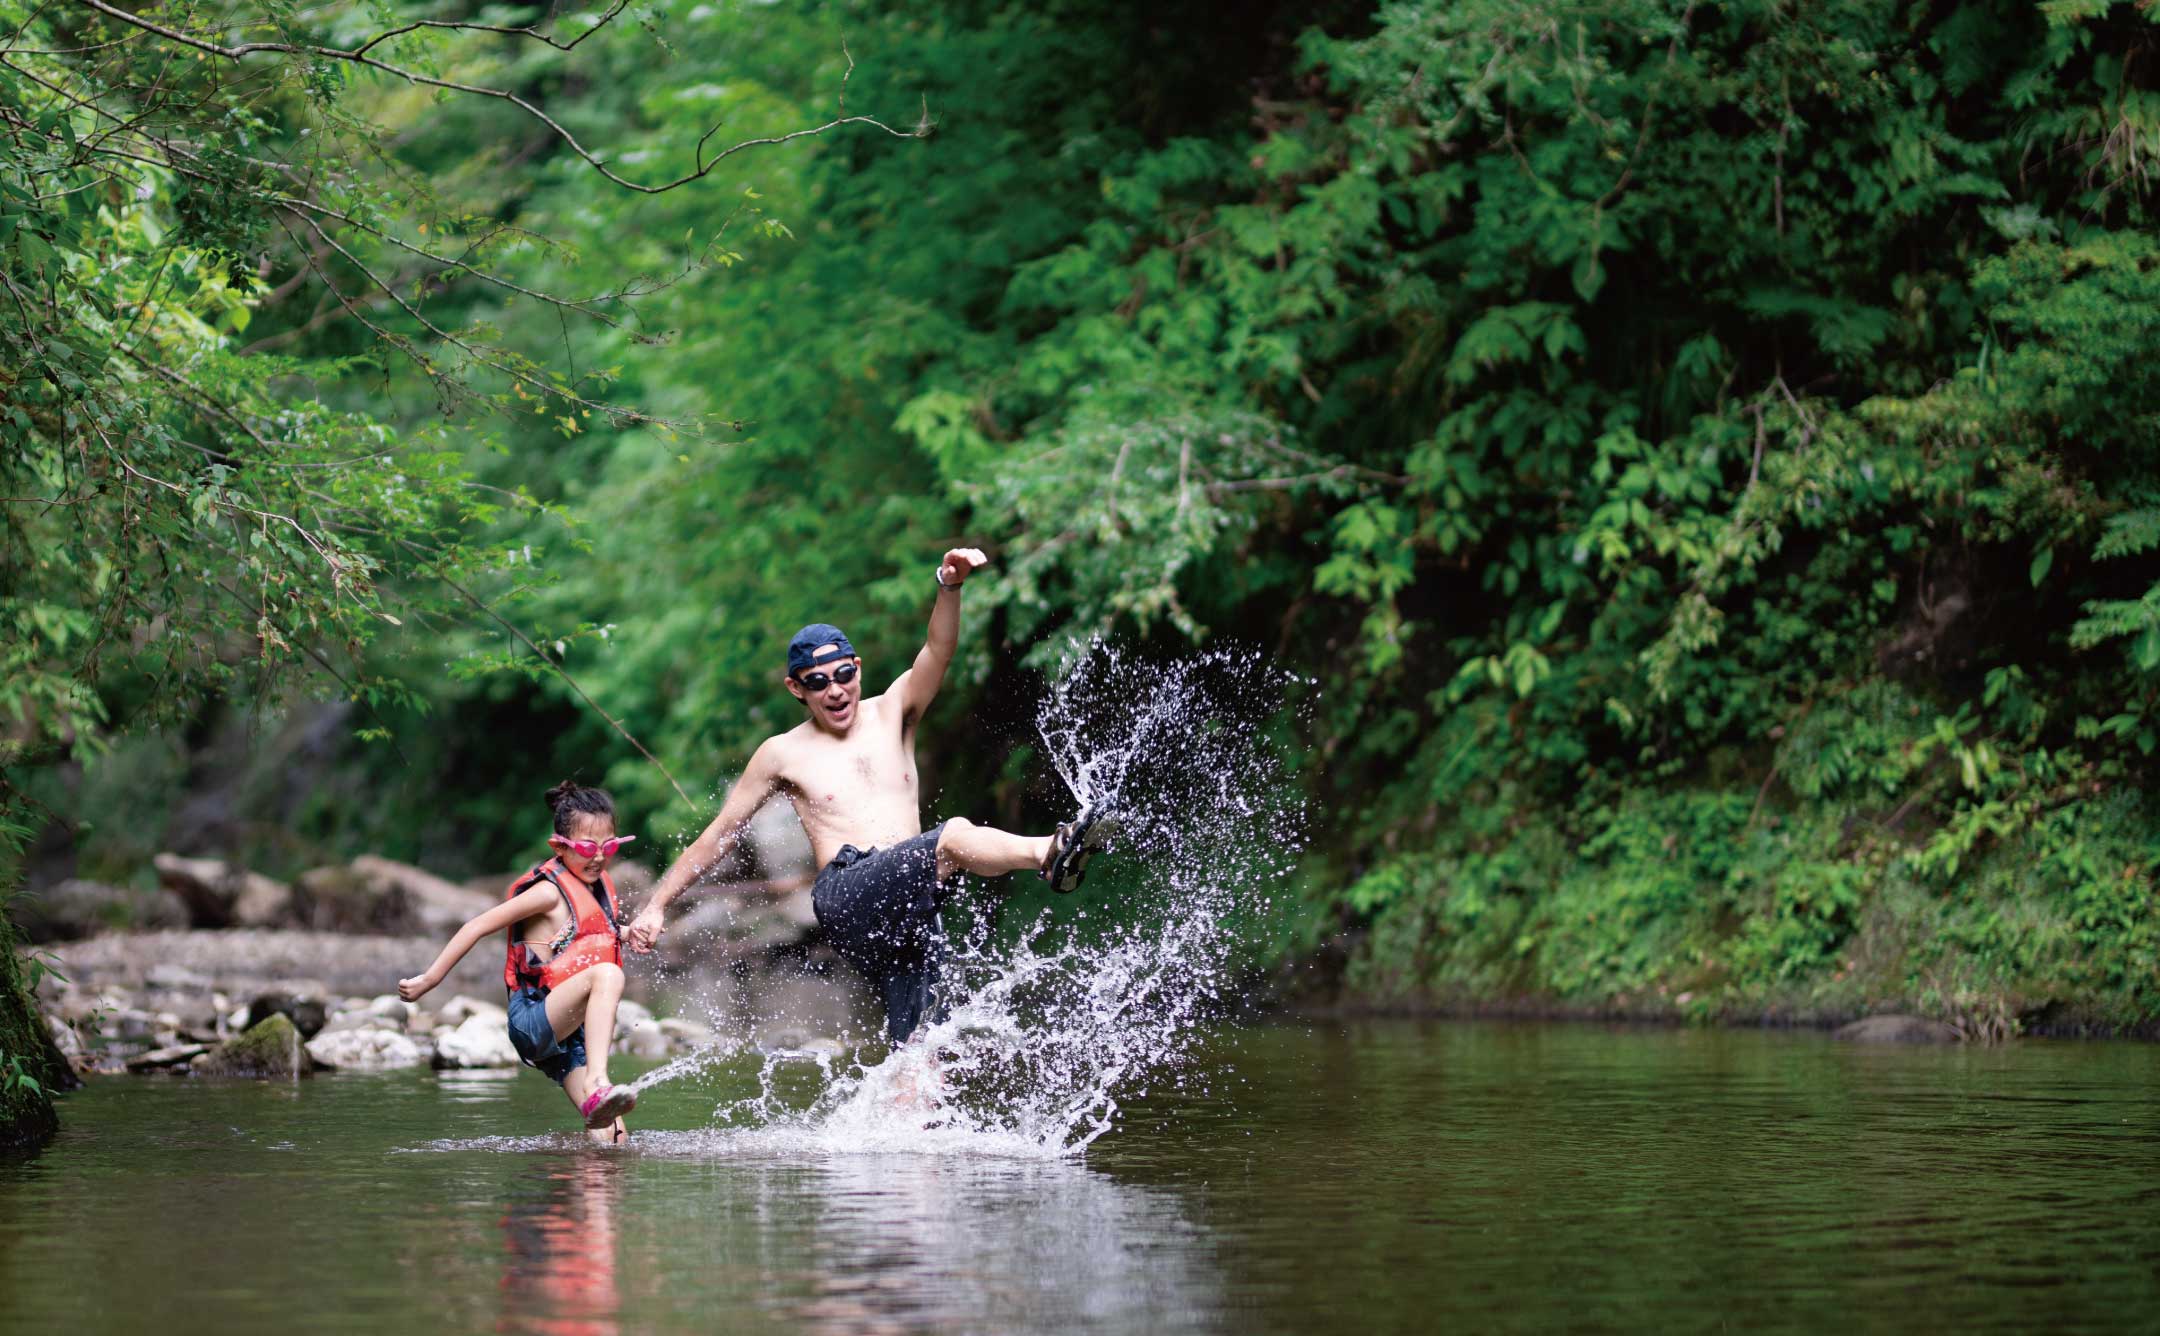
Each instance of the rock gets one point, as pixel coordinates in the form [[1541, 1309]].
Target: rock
[[248, 961], [388, 1012], [344, 1022], [176, 978], [303, 1004], [160, 1058], [480, 1041], [128, 1024], [636, 1033], [184, 1012], [632, 880], [437, 907], [219, 894], [1898, 1030], [74, 1005], [641, 1041], [65, 1039], [365, 1050], [688, 1034], [338, 899], [75, 909], [270, 1047], [461, 1008]]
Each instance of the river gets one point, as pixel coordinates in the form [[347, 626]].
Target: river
[[1382, 1176]]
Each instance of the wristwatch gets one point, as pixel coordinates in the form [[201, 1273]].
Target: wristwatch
[[936, 573]]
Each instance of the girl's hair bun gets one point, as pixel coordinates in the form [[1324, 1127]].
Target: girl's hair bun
[[569, 799]]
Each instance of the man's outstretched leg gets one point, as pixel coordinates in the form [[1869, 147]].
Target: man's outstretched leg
[[1062, 858], [985, 851]]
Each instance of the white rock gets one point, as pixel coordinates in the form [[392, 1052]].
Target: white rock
[[390, 1005], [64, 1038], [347, 1021], [373, 1050], [642, 1041], [629, 1015], [687, 1033], [478, 1042], [174, 977], [462, 1008]]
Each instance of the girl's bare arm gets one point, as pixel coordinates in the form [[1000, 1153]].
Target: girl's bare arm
[[539, 900]]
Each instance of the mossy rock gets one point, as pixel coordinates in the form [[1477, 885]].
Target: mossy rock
[[26, 1111], [269, 1048]]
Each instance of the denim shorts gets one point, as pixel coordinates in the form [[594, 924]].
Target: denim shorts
[[534, 1037]]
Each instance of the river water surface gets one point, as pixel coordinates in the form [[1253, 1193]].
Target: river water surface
[[1324, 1178]]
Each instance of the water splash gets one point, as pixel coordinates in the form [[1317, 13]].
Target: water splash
[[1048, 1029]]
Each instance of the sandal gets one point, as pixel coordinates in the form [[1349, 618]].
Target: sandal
[[1077, 841], [605, 1105]]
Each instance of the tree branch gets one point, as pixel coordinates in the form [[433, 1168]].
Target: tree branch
[[703, 168]]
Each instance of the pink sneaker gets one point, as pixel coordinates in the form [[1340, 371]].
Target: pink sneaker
[[605, 1105]]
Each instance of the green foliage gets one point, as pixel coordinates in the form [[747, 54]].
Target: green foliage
[[1708, 456]]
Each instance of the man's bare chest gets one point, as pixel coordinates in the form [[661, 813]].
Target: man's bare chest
[[831, 775]]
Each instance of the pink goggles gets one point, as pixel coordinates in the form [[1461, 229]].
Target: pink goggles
[[589, 848]]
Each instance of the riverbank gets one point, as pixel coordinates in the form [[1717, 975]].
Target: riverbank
[[1897, 1021], [167, 1002], [1723, 905], [178, 978]]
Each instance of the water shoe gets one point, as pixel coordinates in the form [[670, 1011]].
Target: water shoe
[[605, 1105], [1075, 842]]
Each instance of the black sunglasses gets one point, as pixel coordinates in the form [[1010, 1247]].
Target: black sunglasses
[[844, 674]]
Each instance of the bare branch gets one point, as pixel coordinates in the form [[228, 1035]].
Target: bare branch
[[531, 31], [703, 168], [561, 672]]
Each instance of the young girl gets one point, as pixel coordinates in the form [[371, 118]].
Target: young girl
[[564, 965]]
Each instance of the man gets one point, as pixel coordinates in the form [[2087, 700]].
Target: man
[[849, 768]]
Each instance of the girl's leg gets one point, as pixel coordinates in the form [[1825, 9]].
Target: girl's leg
[[984, 851], [588, 998], [577, 1086]]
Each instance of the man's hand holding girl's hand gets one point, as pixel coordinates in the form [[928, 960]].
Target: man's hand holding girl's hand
[[645, 930]]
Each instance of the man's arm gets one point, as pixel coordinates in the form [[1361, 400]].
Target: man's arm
[[758, 782], [918, 686]]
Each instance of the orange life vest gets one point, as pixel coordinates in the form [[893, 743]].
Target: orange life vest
[[595, 935]]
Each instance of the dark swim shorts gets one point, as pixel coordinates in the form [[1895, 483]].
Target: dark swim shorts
[[879, 909], [533, 1036]]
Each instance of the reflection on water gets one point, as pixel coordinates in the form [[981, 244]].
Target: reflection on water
[[944, 1243], [852, 1242], [558, 1272]]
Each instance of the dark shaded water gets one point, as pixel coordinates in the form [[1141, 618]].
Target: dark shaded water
[[1390, 1176]]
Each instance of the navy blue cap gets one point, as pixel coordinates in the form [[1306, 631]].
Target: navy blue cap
[[817, 643]]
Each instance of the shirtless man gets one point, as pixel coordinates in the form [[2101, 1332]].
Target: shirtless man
[[849, 768]]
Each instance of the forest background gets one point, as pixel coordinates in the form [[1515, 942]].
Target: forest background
[[1703, 459]]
